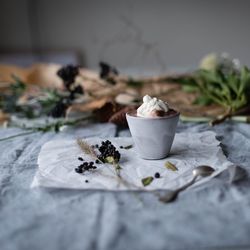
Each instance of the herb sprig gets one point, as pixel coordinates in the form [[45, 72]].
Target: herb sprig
[[230, 90]]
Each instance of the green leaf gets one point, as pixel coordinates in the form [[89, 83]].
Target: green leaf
[[170, 166], [134, 83], [189, 88], [203, 100], [147, 180], [118, 167]]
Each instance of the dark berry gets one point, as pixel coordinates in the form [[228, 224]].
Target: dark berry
[[80, 159], [157, 175], [59, 110], [121, 146], [68, 74], [86, 181], [106, 71], [78, 170], [107, 149], [78, 90]]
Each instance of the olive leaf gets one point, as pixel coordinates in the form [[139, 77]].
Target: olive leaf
[[170, 166], [147, 180]]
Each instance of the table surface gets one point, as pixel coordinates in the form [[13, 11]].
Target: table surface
[[215, 215]]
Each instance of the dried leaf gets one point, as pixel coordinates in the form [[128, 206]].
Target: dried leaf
[[171, 166], [147, 180], [90, 105], [104, 113], [119, 117], [128, 147]]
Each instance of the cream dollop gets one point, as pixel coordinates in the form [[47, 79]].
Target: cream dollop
[[150, 106]]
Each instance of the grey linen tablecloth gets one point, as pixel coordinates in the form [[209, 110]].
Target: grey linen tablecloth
[[215, 215]]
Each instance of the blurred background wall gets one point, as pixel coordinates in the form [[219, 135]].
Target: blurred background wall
[[143, 35]]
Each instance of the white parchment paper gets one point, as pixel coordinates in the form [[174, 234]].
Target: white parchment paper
[[58, 159]]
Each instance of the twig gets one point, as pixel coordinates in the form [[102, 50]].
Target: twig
[[229, 114], [17, 135], [47, 127]]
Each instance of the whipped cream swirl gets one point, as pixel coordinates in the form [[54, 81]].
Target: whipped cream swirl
[[150, 107]]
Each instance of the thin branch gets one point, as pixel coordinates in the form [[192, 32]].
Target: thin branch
[[17, 135]]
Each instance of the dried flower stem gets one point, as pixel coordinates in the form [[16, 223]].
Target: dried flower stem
[[86, 148]]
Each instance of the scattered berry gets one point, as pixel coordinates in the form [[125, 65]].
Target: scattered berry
[[157, 175], [80, 159], [78, 170], [85, 166], [86, 181]]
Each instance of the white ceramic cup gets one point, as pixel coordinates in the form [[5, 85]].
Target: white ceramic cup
[[153, 137]]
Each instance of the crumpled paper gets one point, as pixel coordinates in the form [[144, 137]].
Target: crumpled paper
[[58, 159]]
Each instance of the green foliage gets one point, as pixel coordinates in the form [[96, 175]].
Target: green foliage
[[39, 106], [134, 83], [8, 102], [49, 99], [231, 90]]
